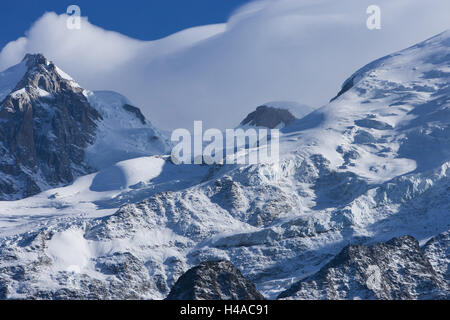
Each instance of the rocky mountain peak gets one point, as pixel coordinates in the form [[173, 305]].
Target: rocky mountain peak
[[373, 165], [42, 74], [34, 60], [54, 131], [269, 117], [47, 122]]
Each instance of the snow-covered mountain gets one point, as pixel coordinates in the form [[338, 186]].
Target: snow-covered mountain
[[372, 165], [396, 269], [53, 131], [214, 280]]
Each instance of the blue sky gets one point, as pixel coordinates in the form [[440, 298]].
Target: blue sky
[[295, 51], [141, 19]]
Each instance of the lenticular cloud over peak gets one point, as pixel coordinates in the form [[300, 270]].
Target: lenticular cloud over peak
[[268, 51], [326, 183]]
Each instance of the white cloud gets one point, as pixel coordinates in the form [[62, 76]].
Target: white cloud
[[270, 50]]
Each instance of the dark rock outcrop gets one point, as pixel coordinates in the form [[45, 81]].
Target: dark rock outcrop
[[269, 117], [136, 111], [346, 87], [396, 269], [214, 281], [46, 123]]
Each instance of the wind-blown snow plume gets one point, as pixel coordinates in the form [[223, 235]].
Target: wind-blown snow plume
[[268, 51]]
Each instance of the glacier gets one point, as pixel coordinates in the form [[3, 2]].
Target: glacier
[[372, 165]]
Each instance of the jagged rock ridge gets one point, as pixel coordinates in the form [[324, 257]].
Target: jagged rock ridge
[[214, 280], [397, 269]]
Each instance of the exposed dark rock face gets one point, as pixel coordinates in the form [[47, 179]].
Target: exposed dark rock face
[[46, 123], [128, 277], [269, 117], [346, 87], [397, 269], [214, 281], [135, 111]]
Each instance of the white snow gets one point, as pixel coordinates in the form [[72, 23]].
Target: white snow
[[43, 93], [120, 134], [18, 93], [98, 194], [69, 251], [65, 76], [371, 165]]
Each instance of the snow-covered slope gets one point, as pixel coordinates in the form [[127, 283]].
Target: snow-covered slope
[[46, 124], [124, 133], [397, 269], [372, 165]]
